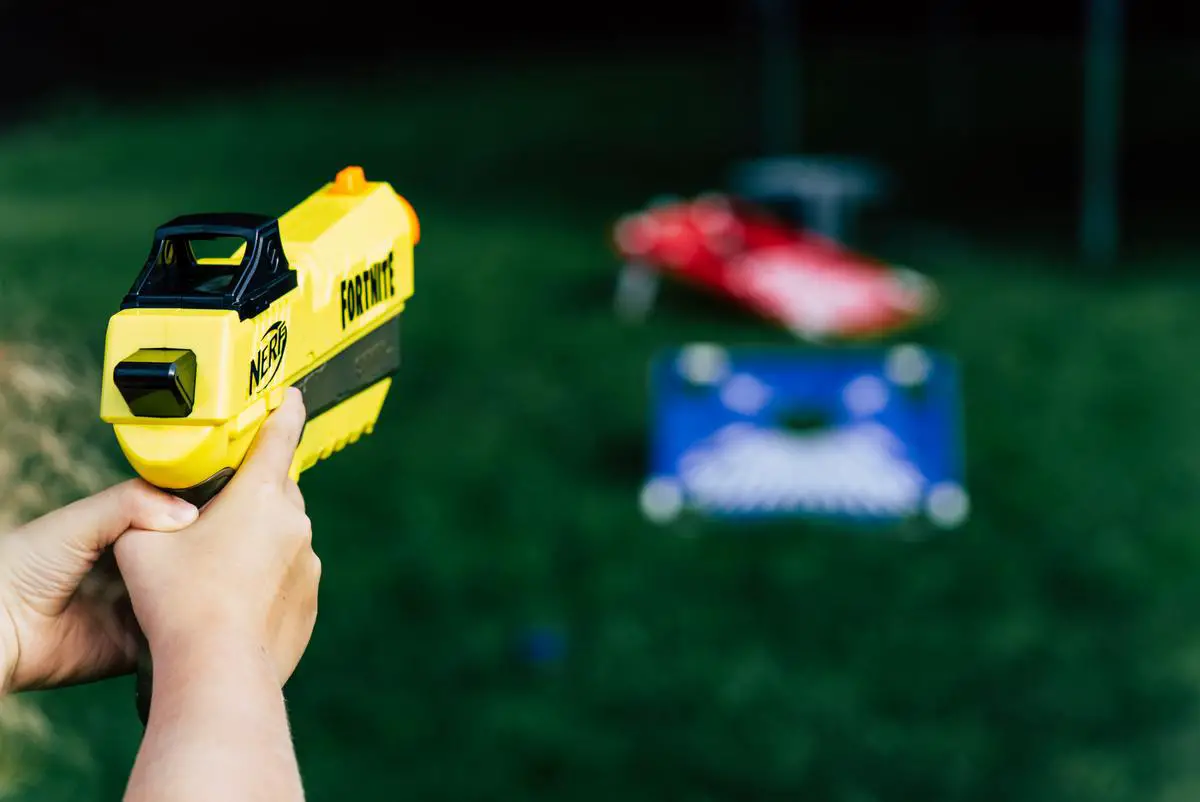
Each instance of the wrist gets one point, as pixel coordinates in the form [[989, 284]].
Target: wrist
[[221, 674], [211, 650], [218, 720]]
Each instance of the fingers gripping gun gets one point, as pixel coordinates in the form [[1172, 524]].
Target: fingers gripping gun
[[203, 348]]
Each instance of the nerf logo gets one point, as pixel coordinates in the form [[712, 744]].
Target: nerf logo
[[375, 284], [265, 364]]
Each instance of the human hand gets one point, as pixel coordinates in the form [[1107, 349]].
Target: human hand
[[243, 577], [63, 619]]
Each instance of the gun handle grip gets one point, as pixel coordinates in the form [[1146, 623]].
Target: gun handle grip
[[201, 494]]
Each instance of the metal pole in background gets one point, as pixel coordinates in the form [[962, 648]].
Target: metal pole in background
[[1099, 224], [780, 87]]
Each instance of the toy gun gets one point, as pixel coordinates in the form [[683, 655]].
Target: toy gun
[[203, 347]]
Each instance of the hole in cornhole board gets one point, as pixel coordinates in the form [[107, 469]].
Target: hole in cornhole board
[[805, 420]]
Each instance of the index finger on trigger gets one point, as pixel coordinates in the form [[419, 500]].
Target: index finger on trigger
[[275, 445]]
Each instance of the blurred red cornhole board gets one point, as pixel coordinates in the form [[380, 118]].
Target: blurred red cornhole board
[[814, 287]]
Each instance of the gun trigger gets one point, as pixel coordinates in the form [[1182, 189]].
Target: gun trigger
[[275, 398]]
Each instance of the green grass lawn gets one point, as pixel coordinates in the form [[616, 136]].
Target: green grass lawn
[[1044, 652]]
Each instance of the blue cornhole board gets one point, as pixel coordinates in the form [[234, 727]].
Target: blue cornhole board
[[863, 435]]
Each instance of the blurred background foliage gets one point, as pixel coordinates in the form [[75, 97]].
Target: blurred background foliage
[[497, 620]]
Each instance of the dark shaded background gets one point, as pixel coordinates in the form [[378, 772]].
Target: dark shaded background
[[139, 50], [497, 620], [120, 47]]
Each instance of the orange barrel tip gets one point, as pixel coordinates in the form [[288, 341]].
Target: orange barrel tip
[[349, 181], [414, 223]]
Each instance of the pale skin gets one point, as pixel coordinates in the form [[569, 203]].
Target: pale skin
[[226, 598]]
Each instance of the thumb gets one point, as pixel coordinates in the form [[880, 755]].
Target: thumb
[[71, 538], [271, 455]]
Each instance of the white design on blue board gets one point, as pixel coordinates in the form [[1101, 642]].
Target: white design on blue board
[[858, 469]]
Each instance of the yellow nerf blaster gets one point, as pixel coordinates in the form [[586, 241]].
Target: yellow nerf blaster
[[204, 347]]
